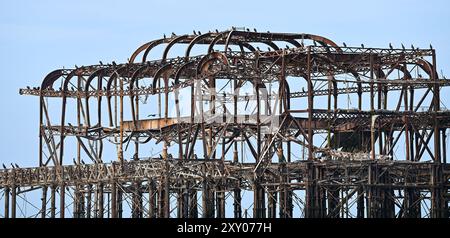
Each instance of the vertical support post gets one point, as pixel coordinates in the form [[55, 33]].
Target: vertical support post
[[52, 201], [436, 101], [76, 202], [220, 197], [185, 195], [272, 206], [44, 201], [13, 200], [119, 202], [62, 206], [444, 146], [360, 203], [7, 195], [151, 198], [310, 106], [100, 200]]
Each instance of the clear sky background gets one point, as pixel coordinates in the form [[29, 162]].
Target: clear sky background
[[37, 37]]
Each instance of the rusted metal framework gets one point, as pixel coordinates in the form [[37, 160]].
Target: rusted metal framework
[[305, 127]]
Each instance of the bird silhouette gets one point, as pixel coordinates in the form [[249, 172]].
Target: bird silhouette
[[164, 35], [4, 166], [431, 47], [199, 33], [247, 29], [362, 46], [315, 43], [254, 29], [258, 48], [74, 162], [17, 166], [343, 43], [195, 33], [101, 63], [412, 47], [403, 47], [12, 166], [82, 161], [173, 34], [390, 46], [217, 31]]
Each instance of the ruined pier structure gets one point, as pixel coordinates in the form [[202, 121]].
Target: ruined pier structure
[[240, 123]]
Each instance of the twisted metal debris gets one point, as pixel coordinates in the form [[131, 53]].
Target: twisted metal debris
[[322, 131]]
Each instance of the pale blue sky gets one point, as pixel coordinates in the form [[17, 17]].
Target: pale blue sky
[[40, 36]]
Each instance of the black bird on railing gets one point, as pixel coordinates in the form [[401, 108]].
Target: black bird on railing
[[412, 46], [164, 35], [74, 162], [82, 161], [199, 33], [217, 31], [17, 166], [173, 34], [343, 43], [254, 29], [390, 46], [195, 33], [12, 166], [258, 48], [403, 47], [431, 47], [4, 166], [362, 46]]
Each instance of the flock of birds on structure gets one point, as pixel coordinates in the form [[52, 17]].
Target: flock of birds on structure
[[247, 29]]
